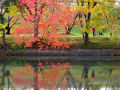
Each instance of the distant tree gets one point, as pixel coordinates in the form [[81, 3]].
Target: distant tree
[[12, 18], [90, 8], [66, 18], [112, 17], [70, 15], [87, 6], [4, 5]]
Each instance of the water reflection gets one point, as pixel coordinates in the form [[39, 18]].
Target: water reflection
[[46, 75]]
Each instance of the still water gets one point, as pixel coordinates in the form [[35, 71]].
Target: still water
[[24, 74]]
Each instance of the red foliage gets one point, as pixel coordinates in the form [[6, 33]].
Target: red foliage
[[40, 24], [48, 76], [22, 76]]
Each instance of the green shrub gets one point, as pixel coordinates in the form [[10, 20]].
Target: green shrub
[[16, 47]]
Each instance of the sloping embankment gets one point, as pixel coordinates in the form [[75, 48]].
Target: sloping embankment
[[59, 53], [78, 55]]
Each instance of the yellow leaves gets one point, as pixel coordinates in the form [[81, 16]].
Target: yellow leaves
[[82, 19], [84, 29], [2, 26], [12, 10], [79, 7], [97, 1], [94, 10], [82, 9], [103, 9], [91, 32], [101, 27], [92, 23]]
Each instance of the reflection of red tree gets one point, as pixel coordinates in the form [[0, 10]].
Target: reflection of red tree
[[52, 76], [46, 79], [22, 77]]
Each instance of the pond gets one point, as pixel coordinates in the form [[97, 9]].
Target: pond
[[45, 74]]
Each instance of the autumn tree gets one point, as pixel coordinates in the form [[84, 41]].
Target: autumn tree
[[66, 18], [86, 5], [91, 7], [40, 23], [69, 16]]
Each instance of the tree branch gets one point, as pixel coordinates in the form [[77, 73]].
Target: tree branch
[[22, 14], [4, 12], [14, 23], [28, 9], [95, 3]]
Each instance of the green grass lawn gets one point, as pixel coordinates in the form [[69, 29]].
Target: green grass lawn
[[99, 42], [77, 31]]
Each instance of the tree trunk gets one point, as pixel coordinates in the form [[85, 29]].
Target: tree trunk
[[83, 36], [36, 31], [68, 31], [36, 21], [3, 39], [110, 34], [86, 38], [35, 78], [85, 72], [8, 30], [3, 74]]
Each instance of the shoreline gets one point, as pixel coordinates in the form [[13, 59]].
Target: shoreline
[[73, 53]]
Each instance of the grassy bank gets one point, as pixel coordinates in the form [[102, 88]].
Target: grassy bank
[[77, 42], [96, 43]]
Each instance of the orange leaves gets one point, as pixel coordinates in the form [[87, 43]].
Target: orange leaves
[[52, 75], [22, 77], [48, 38], [47, 75], [42, 24]]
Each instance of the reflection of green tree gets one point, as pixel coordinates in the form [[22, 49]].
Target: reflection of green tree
[[35, 71], [5, 74], [95, 86], [18, 62], [85, 77], [69, 79]]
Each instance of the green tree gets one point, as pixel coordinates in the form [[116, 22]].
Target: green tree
[[4, 4], [111, 17], [91, 8]]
